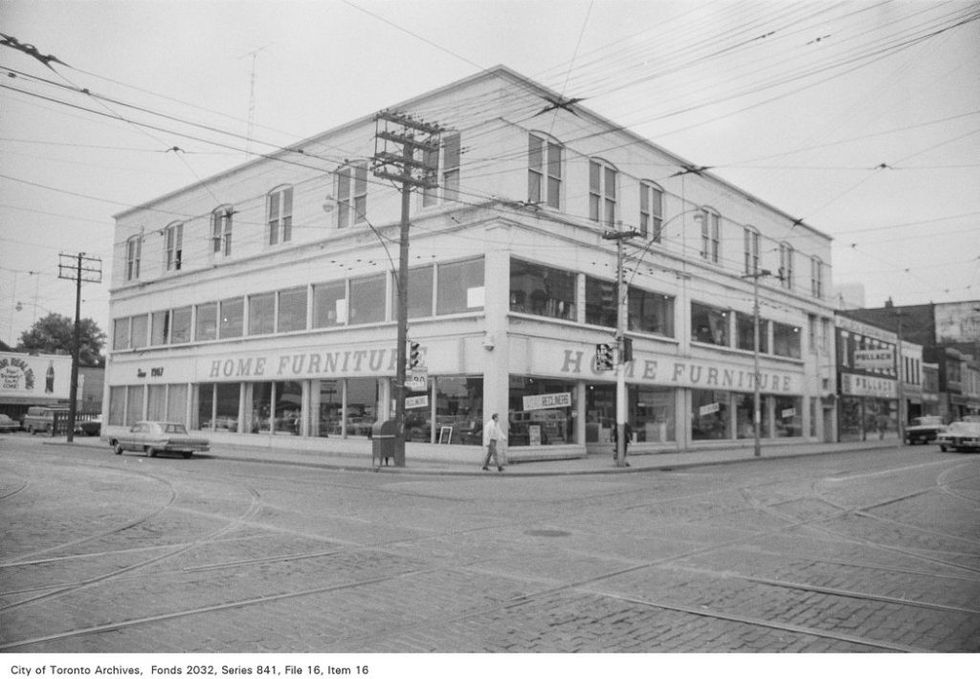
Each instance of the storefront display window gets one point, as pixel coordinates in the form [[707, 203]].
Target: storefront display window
[[207, 322], [232, 317], [789, 416], [745, 333], [786, 340], [156, 402], [709, 325], [600, 302], [542, 290], [180, 332], [541, 412], [710, 415], [292, 310], [117, 406], [177, 403], [851, 424], [329, 418], [261, 313], [134, 404], [276, 407], [651, 312], [362, 405], [652, 414], [745, 416], [329, 304], [367, 300], [459, 406], [460, 287]]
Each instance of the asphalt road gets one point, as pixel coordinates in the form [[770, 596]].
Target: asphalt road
[[877, 551]]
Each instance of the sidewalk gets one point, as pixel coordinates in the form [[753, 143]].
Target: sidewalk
[[453, 461]]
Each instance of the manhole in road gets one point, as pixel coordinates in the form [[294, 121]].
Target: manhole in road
[[547, 533]]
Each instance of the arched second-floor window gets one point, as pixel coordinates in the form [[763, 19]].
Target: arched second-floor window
[[351, 194], [651, 211], [134, 252], [221, 230], [786, 265], [173, 246], [544, 170], [751, 239], [602, 192], [710, 235], [279, 215]]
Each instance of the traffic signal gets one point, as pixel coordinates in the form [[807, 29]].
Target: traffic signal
[[604, 357], [414, 355], [627, 354]]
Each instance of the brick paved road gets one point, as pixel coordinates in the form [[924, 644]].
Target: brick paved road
[[870, 552]]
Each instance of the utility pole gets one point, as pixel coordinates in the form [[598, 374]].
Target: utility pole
[[900, 375], [412, 136], [756, 378], [623, 354], [78, 268]]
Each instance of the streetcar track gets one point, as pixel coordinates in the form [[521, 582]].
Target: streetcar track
[[584, 585], [254, 507]]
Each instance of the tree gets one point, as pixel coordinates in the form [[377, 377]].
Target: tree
[[55, 334]]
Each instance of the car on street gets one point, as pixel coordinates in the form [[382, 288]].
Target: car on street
[[961, 435], [152, 437], [7, 424], [924, 429], [91, 427]]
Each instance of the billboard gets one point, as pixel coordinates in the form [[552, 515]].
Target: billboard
[[41, 377], [958, 322]]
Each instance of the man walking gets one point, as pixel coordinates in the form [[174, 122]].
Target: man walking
[[492, 436]]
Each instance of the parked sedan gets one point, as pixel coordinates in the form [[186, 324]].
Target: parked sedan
[[924, 429], [960, 436], [7, 424], [158, 437]]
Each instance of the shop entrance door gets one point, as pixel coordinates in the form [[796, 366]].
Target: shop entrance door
[[600, 417]]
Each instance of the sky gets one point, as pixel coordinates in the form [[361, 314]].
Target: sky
[[862, 118]]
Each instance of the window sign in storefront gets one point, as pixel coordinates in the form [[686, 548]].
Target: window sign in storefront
[[544, 401], [789, 416], [710, 415], [552, 410]]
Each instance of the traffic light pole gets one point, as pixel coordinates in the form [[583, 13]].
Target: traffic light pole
[[621, 400], [411, 135]]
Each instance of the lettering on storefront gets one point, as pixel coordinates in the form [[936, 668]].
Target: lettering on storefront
[[686, 373], [304, 364]]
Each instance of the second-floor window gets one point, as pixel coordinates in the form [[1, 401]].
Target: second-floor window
[[445, 167], [134, 249], [751, 250], [816, 277], [351, 194], [544, 171], [602, 193], [711, 236], [651, 212], [786, 265], [173, 237], [221, 230], [280, 215]]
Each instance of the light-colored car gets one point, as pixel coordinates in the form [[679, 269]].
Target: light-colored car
[[924, 429], [960, 436], [153, 437], [7, 424]]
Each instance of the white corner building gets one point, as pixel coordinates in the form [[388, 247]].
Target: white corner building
[[258, 306]]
